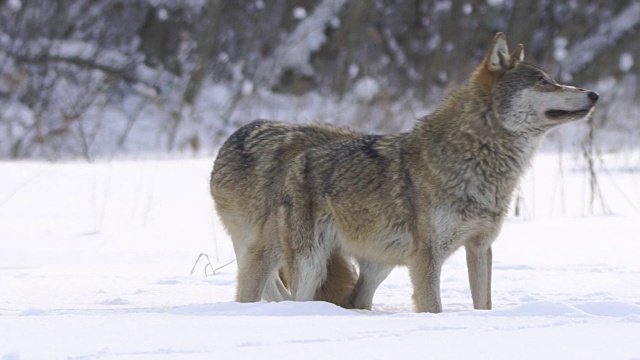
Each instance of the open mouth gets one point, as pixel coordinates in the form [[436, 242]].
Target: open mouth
[[565, 114]]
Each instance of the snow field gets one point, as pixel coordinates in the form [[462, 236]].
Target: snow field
[[95, 262]]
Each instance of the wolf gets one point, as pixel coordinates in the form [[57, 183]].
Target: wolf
[[247, 175], [414, 198]]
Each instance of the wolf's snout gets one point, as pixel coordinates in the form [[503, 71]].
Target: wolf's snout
[[593, 96]]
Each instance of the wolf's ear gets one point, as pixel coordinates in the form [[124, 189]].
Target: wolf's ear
[[498, 58], [517, 54]]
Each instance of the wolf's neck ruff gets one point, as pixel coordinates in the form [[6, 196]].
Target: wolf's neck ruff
[[476, 159], [482, 138]]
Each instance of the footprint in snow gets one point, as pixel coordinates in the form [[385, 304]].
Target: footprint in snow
[[169, 282], [115, 301]]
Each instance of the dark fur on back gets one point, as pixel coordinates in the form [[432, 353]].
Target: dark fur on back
[[252, 162]]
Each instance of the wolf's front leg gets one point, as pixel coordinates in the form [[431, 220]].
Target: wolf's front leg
[[425, 276], [371, 276], [479, 260]]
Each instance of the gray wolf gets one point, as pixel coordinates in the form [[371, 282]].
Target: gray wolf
[[413, 198], [248, 174]]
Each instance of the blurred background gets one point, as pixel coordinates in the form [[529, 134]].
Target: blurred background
[[103, 79]]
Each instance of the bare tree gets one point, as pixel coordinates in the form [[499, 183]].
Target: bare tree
[[95, 77]]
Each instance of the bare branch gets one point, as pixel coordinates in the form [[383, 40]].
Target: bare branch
[[583, 52], [296, 49], [85, 55]]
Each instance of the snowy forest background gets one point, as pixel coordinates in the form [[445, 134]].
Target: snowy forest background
[[99, 79]]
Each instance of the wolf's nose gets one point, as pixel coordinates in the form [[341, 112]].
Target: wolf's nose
[[593, 96]]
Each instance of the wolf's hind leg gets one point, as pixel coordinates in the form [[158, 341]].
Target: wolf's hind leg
[[275, 289], [254, 270], [372, 274]]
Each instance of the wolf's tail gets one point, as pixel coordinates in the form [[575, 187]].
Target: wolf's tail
[[336, 289], [341, 278]]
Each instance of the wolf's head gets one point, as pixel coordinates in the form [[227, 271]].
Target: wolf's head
[[524, 97]]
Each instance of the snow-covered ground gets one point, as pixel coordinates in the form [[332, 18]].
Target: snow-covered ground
[[95, 263]]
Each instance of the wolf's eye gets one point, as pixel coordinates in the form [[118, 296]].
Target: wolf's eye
[[542, 80]]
